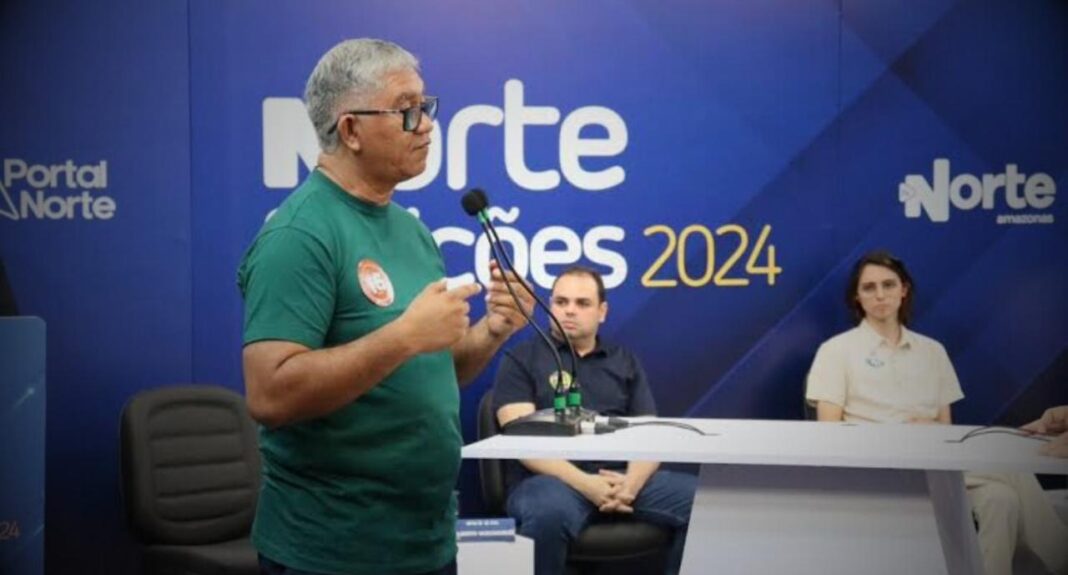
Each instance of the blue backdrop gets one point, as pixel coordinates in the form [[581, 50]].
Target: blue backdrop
[[723, 163]]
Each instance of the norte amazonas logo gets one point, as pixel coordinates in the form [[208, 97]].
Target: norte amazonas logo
[[1019, 197]]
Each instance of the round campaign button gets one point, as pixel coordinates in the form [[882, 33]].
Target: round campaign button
[[374, 282]]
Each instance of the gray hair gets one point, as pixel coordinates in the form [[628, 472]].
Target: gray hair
[[350, 71]]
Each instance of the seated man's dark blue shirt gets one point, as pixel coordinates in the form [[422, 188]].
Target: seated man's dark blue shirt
[[611, 378]]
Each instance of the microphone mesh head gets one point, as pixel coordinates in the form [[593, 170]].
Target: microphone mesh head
[[474, 202]]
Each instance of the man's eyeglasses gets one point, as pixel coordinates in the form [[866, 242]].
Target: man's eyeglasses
[[412, 115]]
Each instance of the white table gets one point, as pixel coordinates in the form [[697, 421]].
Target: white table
[[809, 497]]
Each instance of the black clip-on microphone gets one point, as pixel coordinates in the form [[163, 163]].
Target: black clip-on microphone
[[566, 416]]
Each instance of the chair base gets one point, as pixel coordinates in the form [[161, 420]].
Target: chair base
[[603, 541], [237, 557], [650, 564]]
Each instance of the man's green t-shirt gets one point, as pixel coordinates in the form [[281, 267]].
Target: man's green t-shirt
[[368, 488]]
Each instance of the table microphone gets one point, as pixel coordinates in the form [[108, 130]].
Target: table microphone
[[566, 416]]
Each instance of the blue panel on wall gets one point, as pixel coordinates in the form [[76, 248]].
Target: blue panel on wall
[[22, 450], [98, 241]]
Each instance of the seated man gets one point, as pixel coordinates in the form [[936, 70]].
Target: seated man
[[553, 500]]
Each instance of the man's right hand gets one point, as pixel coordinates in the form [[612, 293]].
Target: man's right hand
[[624, 495], [438, 317], [600, 490]]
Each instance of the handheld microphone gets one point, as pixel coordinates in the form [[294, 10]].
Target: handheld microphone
[[474, 202], [567, 410]]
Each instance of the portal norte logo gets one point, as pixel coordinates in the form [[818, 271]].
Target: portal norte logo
[[38, 191], [967, 191]]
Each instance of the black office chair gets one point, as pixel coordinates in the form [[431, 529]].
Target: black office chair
[[190, 477], [623, 539]]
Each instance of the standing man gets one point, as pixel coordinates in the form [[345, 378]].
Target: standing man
[[554, 500], [353, 346]]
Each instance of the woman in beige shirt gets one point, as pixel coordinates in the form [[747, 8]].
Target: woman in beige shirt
[[880, 372]]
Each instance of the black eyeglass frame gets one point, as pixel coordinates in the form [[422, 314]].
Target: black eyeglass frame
[[412, 114]]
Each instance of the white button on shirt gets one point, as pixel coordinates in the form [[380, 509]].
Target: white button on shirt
[[873, 380]]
